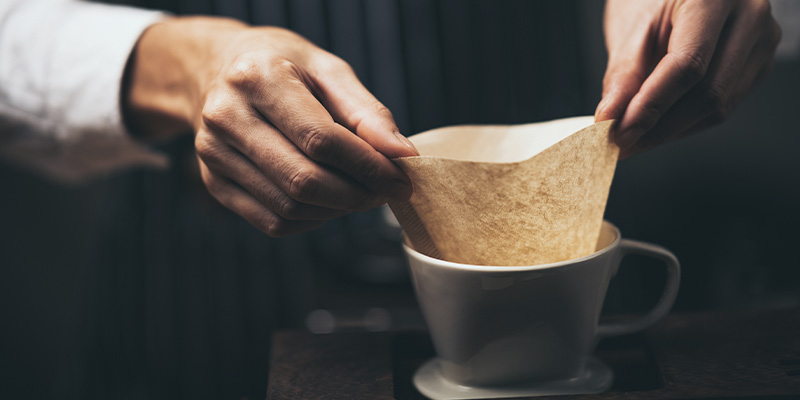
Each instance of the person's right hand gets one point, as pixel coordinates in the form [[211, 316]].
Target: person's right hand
[[286, 135]]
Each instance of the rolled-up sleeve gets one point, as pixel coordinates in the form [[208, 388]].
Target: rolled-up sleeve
[[61, 66]]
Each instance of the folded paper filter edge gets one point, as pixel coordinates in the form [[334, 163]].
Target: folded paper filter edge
[[447, 129], [416, 232]]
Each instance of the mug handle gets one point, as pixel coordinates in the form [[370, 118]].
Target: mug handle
[[667, 298]]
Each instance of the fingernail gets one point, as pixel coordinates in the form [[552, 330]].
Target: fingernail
[[399, 190], [629, 137], [406, 142]]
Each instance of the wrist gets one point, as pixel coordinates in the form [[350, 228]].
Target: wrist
[[168, 72]]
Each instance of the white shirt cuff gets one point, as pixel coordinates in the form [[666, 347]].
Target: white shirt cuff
[[61, 66]]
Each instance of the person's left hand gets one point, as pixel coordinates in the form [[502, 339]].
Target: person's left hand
[[679, 66], [286, 135]]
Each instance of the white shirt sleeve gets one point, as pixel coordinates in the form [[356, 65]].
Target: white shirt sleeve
[[61, 65]]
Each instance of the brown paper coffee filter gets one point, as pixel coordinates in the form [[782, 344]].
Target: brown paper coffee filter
[[508, 195]]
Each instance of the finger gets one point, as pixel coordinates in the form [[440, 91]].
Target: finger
[[645, 145], [693, 39], [685, 114], [279, 160], [626, 70], [350, 103], [763, 54], [285, 101], [240, 202], [229, 163], [712, 100], [693, 115]]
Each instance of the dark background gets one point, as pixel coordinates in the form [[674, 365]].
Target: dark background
[[139, 285]]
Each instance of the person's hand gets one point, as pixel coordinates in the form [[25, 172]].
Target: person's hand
[[286, 135], [679, 66]]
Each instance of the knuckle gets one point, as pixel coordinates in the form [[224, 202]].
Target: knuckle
[[288, 208], [692, 66], [717, 101], [376, 112], [278, 227], [303, 185], [370, 171], [216, 114], [716, 97], [318, 143], [206, 145], [279, 68], [244, 70], [762, 8], [765, 22], [260, 221], [248, 72], [265, 222], [651, 113], [383, 111], [330, 63]]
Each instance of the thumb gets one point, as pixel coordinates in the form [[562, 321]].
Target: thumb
[[353, 106], [374, 123]]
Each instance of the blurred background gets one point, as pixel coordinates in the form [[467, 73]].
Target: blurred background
[[139, 285]]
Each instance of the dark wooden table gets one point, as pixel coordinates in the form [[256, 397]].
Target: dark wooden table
[[750, 355]]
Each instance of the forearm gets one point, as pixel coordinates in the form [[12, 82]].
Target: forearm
[[172, 62]]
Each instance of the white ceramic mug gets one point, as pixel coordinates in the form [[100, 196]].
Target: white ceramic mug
[[508, 325]]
